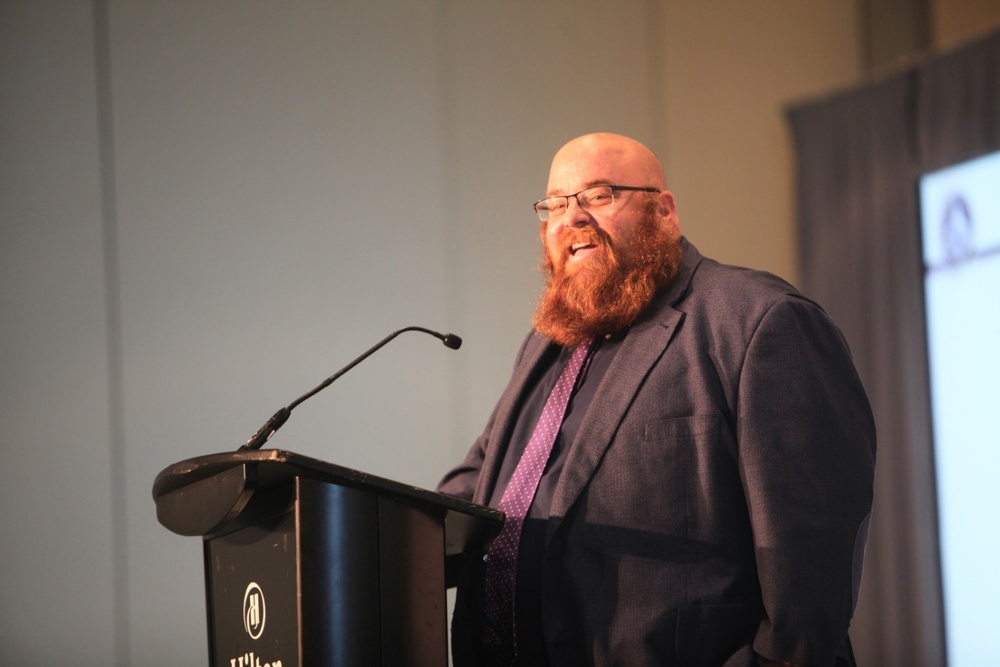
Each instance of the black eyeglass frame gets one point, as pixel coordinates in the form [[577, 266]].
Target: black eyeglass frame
[[543, 213]]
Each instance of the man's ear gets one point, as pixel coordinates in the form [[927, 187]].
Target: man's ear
[[668, 211], [667, 204]]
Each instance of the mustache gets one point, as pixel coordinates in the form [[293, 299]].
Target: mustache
[[571, 235]]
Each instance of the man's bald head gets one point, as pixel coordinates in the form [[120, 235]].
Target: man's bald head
[[617, 158]]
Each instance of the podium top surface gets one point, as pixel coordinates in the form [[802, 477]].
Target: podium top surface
[[179, 492]]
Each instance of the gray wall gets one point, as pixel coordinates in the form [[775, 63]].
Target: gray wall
[[208, 207]]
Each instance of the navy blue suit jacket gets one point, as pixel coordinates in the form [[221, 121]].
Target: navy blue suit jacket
[[715, 501]]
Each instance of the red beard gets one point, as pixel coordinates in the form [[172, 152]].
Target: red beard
[[613, 287]]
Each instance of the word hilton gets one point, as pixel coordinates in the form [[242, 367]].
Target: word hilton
[[250, 660]]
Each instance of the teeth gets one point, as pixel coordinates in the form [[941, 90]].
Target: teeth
[[577, 246]]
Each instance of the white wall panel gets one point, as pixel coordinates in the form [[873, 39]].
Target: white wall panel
[[280, 180], [55, 479]]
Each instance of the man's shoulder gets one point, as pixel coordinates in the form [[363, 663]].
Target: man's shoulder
[[727, 281], [726, 292]]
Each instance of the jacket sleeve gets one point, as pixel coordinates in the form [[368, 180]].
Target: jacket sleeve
[[461, 480], [807, 461]]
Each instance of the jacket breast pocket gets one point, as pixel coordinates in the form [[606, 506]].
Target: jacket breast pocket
[[644, 481], [687, 429], [657, 481]]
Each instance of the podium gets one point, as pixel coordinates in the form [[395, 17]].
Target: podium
[[309, 563]]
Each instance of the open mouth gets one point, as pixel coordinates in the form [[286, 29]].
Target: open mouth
[[576, 247]]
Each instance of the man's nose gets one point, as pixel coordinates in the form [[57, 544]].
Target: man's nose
[[576, 215]]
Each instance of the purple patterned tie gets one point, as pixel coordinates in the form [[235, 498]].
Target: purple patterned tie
[[501, 555]]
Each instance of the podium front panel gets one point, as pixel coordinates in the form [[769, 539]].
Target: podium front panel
[[252, 595], [301, 585]]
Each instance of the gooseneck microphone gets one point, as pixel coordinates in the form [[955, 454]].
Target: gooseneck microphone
[[281, 416]]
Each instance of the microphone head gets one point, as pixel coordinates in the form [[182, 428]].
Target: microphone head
[[452, 341]]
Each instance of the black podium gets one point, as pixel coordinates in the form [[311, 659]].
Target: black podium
[[309, 563]]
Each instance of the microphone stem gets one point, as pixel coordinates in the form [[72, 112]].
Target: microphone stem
[[333, 378], [265, 432]]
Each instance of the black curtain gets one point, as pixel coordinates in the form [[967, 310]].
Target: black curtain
[[859, 155]]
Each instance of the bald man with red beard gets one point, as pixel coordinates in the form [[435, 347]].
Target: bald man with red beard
[[706, 484]]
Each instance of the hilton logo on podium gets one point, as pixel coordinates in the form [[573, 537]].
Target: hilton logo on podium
[[254, 611], [254, 615]]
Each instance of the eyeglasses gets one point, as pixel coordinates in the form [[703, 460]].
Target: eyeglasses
[[588, 198]]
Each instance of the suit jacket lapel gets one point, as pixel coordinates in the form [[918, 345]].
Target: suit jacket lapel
[[642, 347]]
